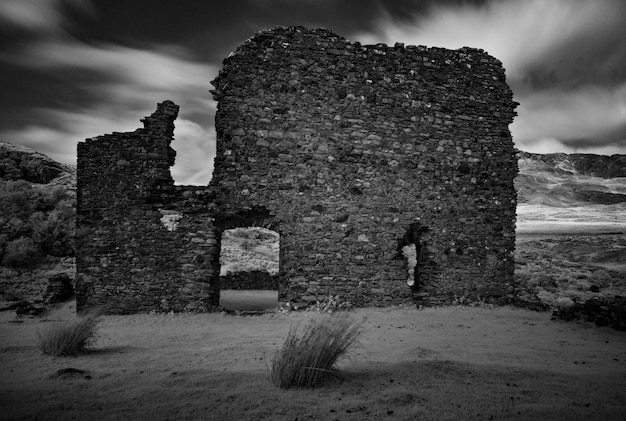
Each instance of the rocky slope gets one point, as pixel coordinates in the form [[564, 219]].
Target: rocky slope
[[603, 166], [249, 249], [21, 163], [37, 213], [562, 180]]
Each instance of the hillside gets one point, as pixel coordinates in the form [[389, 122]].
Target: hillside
[[21, 163], [37, 214], [248, 249], [603, 166], [561, 180]]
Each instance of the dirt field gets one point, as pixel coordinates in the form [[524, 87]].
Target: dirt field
[[557, 262], [452, 363], [439, 364]]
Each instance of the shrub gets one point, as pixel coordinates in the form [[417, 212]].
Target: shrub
[[21, 253], [12, 294], [17, 198], [4, 240], [311, 352], [44, 213], [69, 338], [53, 232], [47, 199], [15, 228]]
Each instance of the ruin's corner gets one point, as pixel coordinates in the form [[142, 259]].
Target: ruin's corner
[[349, 151]]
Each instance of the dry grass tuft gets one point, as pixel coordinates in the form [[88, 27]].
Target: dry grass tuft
[[69, 338], [310, 352]]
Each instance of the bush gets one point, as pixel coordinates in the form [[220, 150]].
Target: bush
[[70, 338], [12, 294], [44, 213], [54, 232], [17, 198], [4, 240], [21, 253], [309, 353], [47, 199], [15, 228]]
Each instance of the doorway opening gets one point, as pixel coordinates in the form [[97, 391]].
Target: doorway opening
[[249, 266]]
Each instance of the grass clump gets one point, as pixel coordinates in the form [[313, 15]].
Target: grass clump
[[69, 338], [310, 352]]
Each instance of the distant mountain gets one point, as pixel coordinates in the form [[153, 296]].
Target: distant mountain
[[563, 180], [602, 166]]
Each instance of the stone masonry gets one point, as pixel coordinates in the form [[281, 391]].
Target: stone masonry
[[135, 249], [350, 152]]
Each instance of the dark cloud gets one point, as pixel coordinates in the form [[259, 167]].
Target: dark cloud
[[208, 29], [565, 61], [73, 69], [593, 52], [95, 89], [213, 29]]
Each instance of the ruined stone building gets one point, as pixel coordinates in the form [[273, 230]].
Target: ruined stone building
[[350, 152]]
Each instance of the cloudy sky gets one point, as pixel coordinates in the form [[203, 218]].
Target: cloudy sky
[[73, 69]]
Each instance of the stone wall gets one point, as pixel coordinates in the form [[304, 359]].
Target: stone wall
[[142, 244], [358, 150], [349, 152]]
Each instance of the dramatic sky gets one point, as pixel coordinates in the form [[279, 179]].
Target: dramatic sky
[[73, 69]]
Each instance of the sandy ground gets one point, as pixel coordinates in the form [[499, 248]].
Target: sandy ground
[[442, 364], [452, 363]]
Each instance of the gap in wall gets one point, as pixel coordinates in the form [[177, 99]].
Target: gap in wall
[[410, 254], [249, 264]]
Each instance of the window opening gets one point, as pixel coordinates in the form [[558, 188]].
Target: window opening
[[410, 249], [410, 254]]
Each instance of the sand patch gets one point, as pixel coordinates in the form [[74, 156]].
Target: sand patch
[[446, 363]]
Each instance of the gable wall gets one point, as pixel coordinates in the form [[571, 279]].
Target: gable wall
[[348, 145], [350, 152]]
